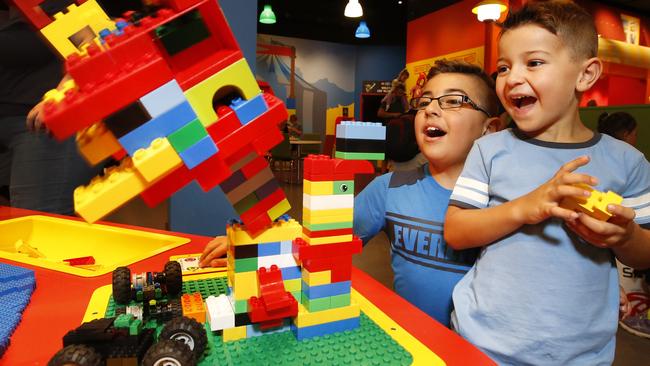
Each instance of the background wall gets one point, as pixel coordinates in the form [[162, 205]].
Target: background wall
[[641, 113], [191, 210]]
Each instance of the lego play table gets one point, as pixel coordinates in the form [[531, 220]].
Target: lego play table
[[60, 301]]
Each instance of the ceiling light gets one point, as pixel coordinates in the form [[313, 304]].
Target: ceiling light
[[362, 30], [267, 16], [489, 10], [353, 9]]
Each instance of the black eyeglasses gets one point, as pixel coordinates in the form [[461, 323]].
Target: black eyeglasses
[[449, 101]]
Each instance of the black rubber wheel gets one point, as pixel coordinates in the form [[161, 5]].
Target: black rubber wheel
[[173, 278], [122, 285], [78, 355], [168, 353], [188, 331]]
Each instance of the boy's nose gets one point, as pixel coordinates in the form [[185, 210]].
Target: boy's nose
[[433, 108], [514, 76]]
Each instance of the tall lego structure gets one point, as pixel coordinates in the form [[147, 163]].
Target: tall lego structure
[[169, 94]]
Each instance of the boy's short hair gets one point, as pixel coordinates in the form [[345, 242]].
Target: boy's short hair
[[567, 20], [490, 100]]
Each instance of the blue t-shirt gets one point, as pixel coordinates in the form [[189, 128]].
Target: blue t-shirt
[[542, 295], [410, 206]]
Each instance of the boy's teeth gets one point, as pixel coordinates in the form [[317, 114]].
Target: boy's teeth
[[434, 132]]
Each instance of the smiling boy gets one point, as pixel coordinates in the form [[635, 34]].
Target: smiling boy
[[456, 107], [545, 288]]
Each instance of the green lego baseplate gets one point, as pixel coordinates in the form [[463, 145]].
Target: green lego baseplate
[[366, 345]]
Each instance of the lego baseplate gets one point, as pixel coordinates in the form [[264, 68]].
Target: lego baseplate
[[378, 341]]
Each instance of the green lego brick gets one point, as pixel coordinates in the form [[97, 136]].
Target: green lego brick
[[246, 203], [123, 321], [359, 156], [241, 306], [187, 136], [344, 187], [297, 295], [135, 327], [207, 287], [182, 32], [245, 265], [366, 345], [315, 304], [339, 301], [332, 226]]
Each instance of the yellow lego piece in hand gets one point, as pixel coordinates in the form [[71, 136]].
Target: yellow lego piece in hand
[[595, 205]]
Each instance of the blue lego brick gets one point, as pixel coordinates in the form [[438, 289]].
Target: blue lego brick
[[199, 152], [253, 330], [16, 287], [324, 329], [10, 273], [160, 126], [361, 130], [327, 290], [163, 99], [286, 247], [265, 249], [290, 273], [291, 103], [248, 110]]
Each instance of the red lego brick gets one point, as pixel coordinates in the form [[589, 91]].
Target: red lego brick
[[254, 167], [225, 125], [119, 155], [179, 5], [271, 287], [341, 269], [211, 172], [322, 233], [274, 302], [166, 186], [80, 261], [264, 144], [303, 251], [263, 206], [80, 109], [257, 225], [317, 265], [324, 168], [32, 10]]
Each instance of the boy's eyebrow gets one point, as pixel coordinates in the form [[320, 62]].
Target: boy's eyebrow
[[455, 90]]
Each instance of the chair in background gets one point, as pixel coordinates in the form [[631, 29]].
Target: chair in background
[[283, 154], [310, 149]]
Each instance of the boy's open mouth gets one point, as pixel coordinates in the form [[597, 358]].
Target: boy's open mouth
[[434, 132], [523, 101]]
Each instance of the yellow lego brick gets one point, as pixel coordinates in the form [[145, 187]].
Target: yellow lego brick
[[201, 95], [89, 14], [234, 334], [327, 239], [306, 318], [318, 188], [279, 231], [293, 285], [279, 209], [595, 205], [193, 306], [105, 194], [327, 216], [57, 95], [245, 285], [316, 278], [96, 143], [157, 160]]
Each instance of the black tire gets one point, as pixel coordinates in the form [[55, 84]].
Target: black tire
[[173, 278], [167, 352], [122, 285], [187, 331], [78, 355]]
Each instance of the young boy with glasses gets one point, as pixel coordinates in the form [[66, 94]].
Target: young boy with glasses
[[545, 287], [458, 105]]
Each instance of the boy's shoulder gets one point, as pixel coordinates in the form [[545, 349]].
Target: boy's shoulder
[[406, 177]]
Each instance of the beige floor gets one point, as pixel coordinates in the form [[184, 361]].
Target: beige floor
[[375, 260]]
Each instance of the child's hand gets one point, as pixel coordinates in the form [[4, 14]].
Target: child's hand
[[613, 233], [544, 202], [213, 253]]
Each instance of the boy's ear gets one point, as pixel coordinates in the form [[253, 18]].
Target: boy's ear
[[591, 70], [492, 124]]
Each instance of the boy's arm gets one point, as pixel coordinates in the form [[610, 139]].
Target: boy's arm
[[636, 253], [466, 228]]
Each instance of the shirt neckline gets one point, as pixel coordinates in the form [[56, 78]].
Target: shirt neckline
[[557, 145]]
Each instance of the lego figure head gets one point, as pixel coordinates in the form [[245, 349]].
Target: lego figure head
[[547, 59], [457, 106]]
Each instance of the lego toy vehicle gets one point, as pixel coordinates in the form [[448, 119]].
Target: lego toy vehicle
[[124, 340], [147, 286]]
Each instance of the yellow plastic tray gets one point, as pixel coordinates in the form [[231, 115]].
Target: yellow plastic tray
[[46, 241]]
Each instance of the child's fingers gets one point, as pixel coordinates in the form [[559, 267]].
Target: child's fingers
[[622, 214], [579, 178], [218, 262], [563, 213], [209, 258], [572, 191], [575, 164]]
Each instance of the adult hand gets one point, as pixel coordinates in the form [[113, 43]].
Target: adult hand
[[34, 120]]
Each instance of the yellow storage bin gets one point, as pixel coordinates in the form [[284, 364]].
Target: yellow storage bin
[[47, 241]]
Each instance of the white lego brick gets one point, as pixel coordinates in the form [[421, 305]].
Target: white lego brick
[[327, 202], [220, 312], [280, 260]]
